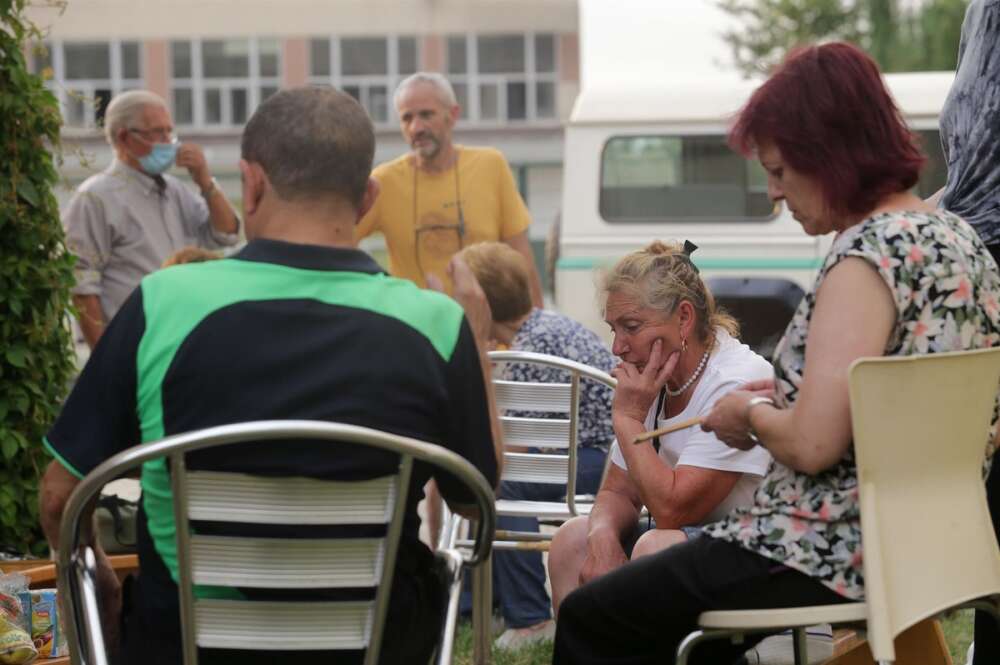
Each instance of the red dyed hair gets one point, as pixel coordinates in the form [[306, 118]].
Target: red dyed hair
[[829, 113]]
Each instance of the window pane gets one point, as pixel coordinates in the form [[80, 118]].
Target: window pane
[[378, 103], [183, 106], [488, 101], [319, 57], [663, 177], [456, 55], [545, 53], [87, 60], [102, 97], [517, 101], [268, 50], [267, 91], [225, 58], [407, 55], [238, 105], [501, 54], [360, 56], [545, 100], [462, 97], [41, 57], [180, 57], [213, 106], [353, 91], [76, 108], [130, 60]]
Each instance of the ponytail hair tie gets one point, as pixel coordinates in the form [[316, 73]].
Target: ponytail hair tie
[[689, 247]]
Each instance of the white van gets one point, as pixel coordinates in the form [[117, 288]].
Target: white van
[[644, 162]]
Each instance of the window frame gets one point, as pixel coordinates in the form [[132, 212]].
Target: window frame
[[68, 91], [473, 79], [365, 82], [199, 84]]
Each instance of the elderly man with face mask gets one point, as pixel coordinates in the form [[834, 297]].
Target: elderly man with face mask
[[441, 197], [123, 222]]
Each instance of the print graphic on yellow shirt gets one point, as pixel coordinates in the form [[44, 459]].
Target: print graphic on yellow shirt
[[420, 216]]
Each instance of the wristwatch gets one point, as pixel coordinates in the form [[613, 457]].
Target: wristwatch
[[754, 401]]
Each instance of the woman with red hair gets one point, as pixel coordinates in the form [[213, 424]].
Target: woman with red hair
[[901, 277]]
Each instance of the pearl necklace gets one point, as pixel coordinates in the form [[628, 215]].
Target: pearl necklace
[[694, 377]]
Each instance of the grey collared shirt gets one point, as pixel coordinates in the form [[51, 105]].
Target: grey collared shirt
[[121, 228]]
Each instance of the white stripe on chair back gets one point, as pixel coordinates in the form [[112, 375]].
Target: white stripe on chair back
[[536, 432], [235, 497], [284, 563], [542, 397], [535, 468], [283, 626]]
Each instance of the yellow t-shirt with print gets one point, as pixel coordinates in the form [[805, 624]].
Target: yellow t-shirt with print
[[428, 217]]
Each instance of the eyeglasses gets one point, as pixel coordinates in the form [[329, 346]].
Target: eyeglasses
[[433, 234], [152, 135]]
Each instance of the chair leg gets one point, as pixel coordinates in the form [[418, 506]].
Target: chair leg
[[687, 644], [482, 613], [453, 578], [799, 646]]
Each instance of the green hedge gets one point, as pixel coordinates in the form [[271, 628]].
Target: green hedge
[[36, 353]]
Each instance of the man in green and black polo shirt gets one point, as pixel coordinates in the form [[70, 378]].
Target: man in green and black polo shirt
[[300, 324]]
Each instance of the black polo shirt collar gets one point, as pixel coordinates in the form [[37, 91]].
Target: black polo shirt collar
[[308, 257]]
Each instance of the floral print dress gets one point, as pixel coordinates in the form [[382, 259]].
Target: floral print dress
[[947, 294]]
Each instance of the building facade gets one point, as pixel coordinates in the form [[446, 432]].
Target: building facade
[[514, 65]]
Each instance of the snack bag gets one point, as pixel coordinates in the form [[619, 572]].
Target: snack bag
[[16, 647], [45, 628]]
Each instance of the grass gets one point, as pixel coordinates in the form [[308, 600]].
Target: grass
[[957, 632]]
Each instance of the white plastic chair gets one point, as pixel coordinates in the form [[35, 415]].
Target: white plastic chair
[[920, 428], [292, 563]]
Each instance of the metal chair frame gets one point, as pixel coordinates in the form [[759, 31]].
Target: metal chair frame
[[77, 563], [529, 467], [933, 396]]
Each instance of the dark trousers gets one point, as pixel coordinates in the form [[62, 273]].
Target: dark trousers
[[519, 577], [987, 631], [640, 612]]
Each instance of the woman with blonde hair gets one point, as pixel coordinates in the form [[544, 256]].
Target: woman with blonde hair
[[679, 354]]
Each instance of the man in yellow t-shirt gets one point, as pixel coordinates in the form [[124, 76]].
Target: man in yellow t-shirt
[[441, 197]]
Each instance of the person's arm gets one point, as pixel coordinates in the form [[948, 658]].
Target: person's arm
[[615, 513], [853, 318], [91, 317], [521, 243], [55, 489], [221, 215]]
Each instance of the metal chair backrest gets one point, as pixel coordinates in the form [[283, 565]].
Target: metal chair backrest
[[557, 437], [271, 563], [920, 430]]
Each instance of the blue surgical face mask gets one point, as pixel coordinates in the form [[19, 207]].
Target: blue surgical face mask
[[160, 158]]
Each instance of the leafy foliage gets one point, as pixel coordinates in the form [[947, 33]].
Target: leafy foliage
[[900, 36], [35, 276]]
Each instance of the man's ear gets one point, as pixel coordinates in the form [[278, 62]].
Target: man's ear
[[372, 190], [254, 185], [454, 113]]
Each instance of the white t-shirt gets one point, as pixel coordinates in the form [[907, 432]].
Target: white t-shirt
[[731, 365]]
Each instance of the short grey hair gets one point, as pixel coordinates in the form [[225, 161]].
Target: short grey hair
[[312, 142], [443, 87], [124, 108]]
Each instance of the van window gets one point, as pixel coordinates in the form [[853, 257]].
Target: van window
[[652, 178]]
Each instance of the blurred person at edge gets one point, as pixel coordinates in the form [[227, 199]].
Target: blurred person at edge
[[124, 222], [441, 196], [519, 576], [897, 276], [970, 137]]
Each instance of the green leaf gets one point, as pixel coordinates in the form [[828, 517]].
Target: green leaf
[[27, 191], [9, 447], [16, 356]]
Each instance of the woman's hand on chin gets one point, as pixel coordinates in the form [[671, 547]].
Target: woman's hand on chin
[[728, 419], [636, 391]]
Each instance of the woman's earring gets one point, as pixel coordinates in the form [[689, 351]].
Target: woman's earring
[[684, 345]]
